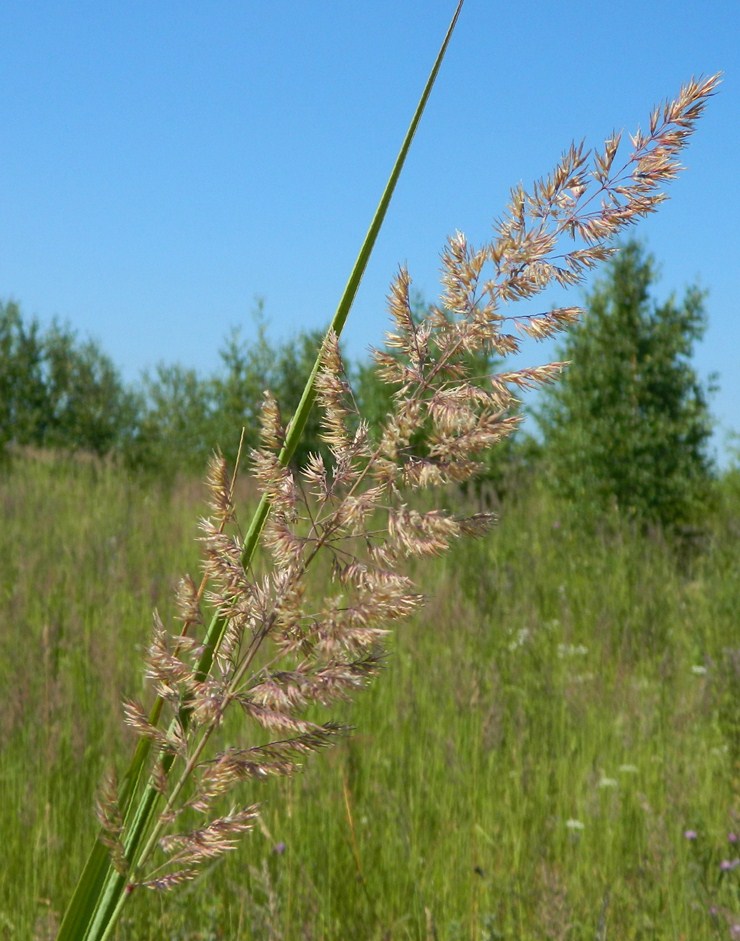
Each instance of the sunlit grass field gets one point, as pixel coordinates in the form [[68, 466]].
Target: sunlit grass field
[[553, 750]]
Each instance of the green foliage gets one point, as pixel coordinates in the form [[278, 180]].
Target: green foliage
[[22, 393], [184, 416], [174, 431], [60, 393], [629, 423], [88, 408], [238, 387], [57, 392]]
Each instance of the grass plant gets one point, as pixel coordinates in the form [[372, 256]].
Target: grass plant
[[547, 664], [242, 685]]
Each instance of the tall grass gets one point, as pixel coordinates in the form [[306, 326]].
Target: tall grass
[[554, 678]]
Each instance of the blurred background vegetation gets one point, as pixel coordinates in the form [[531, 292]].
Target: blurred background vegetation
[[628, 425]]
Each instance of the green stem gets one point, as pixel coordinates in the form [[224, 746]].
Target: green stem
[[101, 892]]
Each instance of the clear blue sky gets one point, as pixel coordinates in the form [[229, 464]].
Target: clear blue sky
[[162, 164]]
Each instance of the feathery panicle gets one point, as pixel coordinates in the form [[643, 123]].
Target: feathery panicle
[[187, 599], [108, 812], [236, 765], [272, 433], [275, 481], [164, 883], [135, 716], [168, 672], [332, 391], [280, 651], [209, 842], [219, 488]]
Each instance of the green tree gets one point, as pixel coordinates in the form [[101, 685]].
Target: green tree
[[22, 390], [175, 428], [58, 392], [629, 423], [87, 406], [248, 368], [237, 388]]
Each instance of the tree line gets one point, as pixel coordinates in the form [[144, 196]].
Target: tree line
[[627, 426]]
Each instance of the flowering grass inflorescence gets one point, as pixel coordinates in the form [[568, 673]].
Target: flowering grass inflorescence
[[281, 652]]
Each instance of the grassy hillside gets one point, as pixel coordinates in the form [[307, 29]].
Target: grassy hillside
[[552, 752]]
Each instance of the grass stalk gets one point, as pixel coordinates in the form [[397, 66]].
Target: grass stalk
[[101, 891]]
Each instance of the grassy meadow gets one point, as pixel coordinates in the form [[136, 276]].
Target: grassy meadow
[[552, 752]]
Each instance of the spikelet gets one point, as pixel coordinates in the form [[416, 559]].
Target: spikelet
[[219, 488], [209, 842], [108, 812]]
